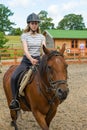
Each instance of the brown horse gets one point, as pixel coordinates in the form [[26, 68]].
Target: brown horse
[[46, 91]]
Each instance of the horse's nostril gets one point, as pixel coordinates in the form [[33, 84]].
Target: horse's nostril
[[61, 93], [60, 90]]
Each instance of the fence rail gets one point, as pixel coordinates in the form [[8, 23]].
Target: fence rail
[[10, 56], [13, 56]]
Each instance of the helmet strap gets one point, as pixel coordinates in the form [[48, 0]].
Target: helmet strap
[[33, 31]]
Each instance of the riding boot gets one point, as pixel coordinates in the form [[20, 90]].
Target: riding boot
[[15, 105]]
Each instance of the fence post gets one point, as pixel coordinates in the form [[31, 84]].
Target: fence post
[[79, 58], [15, 56]]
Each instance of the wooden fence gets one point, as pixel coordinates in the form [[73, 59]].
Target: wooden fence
[[14, 56], [76, 55], [10, 56]]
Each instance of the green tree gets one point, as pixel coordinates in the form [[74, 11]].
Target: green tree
[[5, 23], [3, 40], [16, 31], [71, 22], [46, 22]]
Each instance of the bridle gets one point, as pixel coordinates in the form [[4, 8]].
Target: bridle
[[52, 86]]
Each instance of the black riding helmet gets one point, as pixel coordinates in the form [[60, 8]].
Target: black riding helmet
[[33, 18]]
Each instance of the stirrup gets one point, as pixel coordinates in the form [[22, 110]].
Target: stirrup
[[15, 105]]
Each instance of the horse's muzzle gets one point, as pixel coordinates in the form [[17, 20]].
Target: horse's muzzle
[[62, 94]]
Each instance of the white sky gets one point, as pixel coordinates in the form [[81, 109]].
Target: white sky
[[56, 9]]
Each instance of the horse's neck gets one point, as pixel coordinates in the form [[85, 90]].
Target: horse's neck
[[41, 81]]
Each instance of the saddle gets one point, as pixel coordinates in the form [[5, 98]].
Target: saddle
[[25, 78]]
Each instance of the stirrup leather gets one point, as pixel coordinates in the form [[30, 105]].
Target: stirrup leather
[[24, 81]]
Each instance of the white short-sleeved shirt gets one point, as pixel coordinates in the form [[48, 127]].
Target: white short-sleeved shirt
[[34, 43]]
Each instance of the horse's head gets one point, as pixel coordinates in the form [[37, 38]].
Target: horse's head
[[54, 72]]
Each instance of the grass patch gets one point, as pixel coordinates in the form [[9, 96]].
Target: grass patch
[[14, 42], [13, 39]]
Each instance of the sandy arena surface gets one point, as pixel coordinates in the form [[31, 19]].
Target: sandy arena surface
[[71, 114]]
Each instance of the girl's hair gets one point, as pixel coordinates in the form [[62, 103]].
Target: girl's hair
[[27, 29]]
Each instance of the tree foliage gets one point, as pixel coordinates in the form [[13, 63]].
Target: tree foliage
[[46, 22], [3, 40], [71, 22], [5, 23], [15, 31]]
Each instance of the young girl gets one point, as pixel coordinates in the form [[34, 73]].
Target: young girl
[[32, 42]]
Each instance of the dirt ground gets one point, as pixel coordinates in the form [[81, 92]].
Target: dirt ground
[[71, 114]]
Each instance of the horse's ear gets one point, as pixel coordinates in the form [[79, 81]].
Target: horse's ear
[[63, 48], [46, 51]]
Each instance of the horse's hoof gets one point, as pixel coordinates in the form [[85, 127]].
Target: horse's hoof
[[12, 123]]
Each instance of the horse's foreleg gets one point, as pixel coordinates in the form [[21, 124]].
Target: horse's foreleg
[[49, 117], [41, 120]]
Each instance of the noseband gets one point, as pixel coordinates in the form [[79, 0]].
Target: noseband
[[55, 84]]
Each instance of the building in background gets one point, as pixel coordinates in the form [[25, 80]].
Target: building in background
[[72, 38]]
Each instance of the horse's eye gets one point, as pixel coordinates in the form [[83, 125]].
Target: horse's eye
[[50, 70]]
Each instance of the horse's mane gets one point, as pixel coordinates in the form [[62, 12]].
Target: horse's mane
[[43, 64], [45, 58]]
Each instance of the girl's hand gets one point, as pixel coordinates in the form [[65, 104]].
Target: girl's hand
[[34, 61]]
